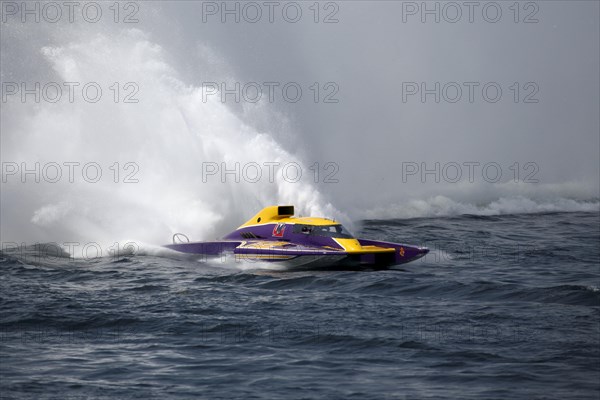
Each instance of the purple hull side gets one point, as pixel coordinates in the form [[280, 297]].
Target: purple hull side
[[294, 251], [403, 254], [207, 248]]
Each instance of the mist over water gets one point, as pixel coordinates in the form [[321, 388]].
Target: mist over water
[[160, 143], [155, 148]]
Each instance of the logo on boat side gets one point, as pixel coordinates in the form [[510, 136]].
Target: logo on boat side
[[278, 230], [401, 251]]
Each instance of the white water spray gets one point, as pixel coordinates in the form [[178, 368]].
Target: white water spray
[[150, 154]]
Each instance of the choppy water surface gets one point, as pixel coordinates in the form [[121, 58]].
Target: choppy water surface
[[503, 307]]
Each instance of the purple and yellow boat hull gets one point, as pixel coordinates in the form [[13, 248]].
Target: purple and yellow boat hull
[[275, 235]]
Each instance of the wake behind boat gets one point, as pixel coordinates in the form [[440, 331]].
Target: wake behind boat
[[275, 235]]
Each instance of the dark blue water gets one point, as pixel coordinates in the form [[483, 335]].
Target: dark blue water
[[503, 307]]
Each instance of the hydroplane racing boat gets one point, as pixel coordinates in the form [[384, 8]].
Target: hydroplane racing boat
[[275, 235]]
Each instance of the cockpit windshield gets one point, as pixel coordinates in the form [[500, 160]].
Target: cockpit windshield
[[334, 231]]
